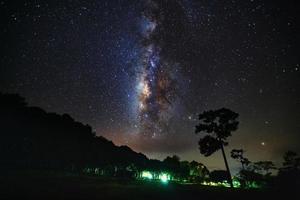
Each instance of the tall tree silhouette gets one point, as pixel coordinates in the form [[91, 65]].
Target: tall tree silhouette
[[216, 126]]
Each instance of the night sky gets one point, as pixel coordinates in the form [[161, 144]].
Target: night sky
[[139, 71]]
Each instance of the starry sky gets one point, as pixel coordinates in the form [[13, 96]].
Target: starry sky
[[139, 71]]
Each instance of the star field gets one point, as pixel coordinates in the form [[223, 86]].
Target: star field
[[84, 58]]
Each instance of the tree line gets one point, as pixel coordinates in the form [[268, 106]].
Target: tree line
[[215, 126], [32, 138]]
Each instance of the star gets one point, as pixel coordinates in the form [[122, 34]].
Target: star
[[139, 67]]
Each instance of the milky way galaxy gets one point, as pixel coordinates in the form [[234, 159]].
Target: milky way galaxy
[[156, 80], [140, 71]]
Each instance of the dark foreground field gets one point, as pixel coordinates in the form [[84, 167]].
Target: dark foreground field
[[41, 185]]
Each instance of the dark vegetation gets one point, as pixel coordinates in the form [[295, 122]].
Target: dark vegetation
[[39, 185], [55, 150], [216, 126], [34, 139]]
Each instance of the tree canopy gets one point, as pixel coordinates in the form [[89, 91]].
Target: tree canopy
[[216, 126]]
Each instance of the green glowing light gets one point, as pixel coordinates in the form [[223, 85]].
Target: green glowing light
[[254, 185], [146, 174], [225, 184], [236, 184], [164, 177]]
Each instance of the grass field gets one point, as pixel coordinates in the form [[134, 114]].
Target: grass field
[[47, 185]]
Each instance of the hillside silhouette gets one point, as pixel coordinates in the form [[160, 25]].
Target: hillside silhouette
[[35, 139]]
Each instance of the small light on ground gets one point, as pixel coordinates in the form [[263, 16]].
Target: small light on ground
[[164, 177]]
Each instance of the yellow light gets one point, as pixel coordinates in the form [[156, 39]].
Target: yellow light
[[146, 90], [146, 174]]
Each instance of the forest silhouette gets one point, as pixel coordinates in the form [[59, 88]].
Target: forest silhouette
[[33, 139]]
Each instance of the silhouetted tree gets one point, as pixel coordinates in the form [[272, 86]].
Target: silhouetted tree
[[184, 170], [264, 167], [291, 161], [256, 174], [238, 154], [198, 171], [216, 125], [248, 177], [289, 173], [218, 175], [172, 165]]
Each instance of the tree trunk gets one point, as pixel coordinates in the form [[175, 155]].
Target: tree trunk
[[227, 167]]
